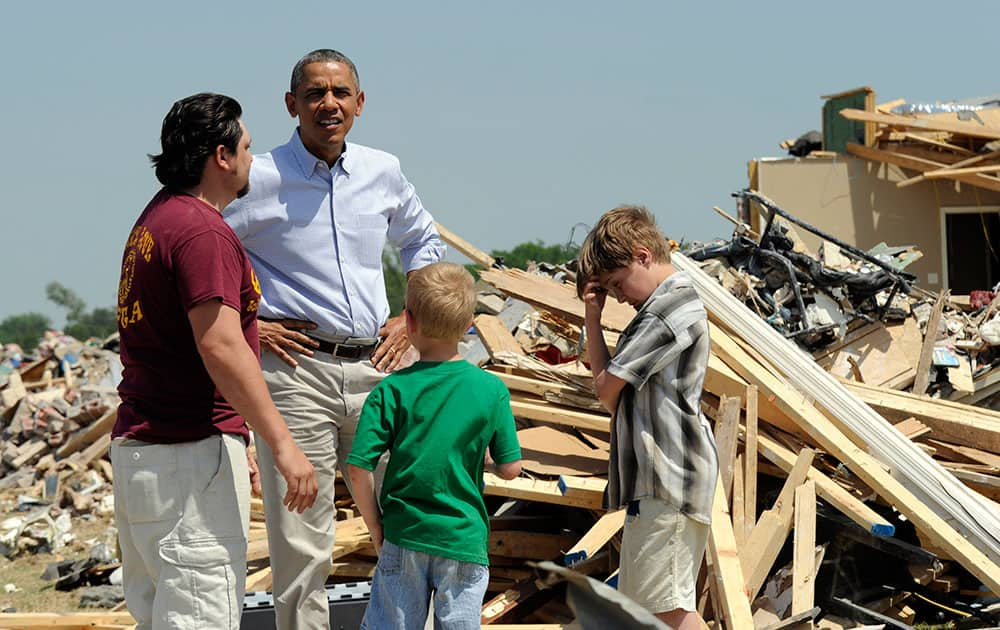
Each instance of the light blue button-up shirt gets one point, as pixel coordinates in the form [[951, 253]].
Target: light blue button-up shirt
[[315, 234]]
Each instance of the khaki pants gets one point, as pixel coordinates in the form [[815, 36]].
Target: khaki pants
[[320, 401], [182, 512]]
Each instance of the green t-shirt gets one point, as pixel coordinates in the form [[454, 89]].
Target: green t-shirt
[[436, 419]]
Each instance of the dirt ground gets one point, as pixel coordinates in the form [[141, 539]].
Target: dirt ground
[[24, 571]]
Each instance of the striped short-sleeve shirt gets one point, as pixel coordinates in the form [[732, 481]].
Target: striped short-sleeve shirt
[[661, 444]]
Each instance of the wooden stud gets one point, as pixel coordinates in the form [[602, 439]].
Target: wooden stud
[[927, 349], [495, 336], [804, 554], [473, 253], [738, 507], [734, 606], [726, 437], [750, 460], [772, 529], [596, 537], [547, 491]]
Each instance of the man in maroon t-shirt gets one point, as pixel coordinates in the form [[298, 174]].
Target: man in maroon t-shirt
[[187, 314]]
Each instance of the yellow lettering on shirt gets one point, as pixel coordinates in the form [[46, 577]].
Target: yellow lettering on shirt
[[129, 315]]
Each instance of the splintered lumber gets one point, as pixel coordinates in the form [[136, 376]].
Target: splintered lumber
[[89, 435], [750, 461], [523, 407], [596, 537], [960, 164], [804, 545], [772, 529], [727, 430], [927, 349], [727, 572], [950, 421], [495, 336], [15, 621], [918, 164], [472, 252], [828, 490], [953, 516], [544, 491], [548, 295], [511, 543], [506, 601], [927, 124]]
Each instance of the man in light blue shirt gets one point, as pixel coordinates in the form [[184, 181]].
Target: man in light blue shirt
[[315, 225]]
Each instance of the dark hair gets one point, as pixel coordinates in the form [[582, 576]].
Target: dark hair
[[191, 131], [321, 55]]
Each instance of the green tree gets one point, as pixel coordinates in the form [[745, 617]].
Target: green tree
[[395, 280], [536, 251], [80, 323], [24, 329]]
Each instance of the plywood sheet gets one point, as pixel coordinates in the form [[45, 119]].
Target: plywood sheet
[[549, 451]]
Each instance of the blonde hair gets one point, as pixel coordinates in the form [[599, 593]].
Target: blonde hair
[[611, 244], [442, 300]]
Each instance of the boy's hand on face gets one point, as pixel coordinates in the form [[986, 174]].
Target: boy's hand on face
[[594, 296]]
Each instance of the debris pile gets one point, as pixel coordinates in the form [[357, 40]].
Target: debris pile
[[859, 312]]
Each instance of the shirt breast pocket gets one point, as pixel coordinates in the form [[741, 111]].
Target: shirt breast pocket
[[372, 233]]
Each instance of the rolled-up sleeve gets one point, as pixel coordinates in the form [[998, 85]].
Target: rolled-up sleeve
[[412, 230]]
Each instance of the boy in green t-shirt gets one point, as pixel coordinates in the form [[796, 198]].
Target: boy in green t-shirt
[[437, 418]]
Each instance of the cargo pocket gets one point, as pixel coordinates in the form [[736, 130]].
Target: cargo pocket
[[201, 582]]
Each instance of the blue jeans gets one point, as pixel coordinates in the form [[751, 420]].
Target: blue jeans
[[405, 581]]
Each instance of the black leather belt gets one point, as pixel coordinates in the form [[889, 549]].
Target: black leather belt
[[345, 350]]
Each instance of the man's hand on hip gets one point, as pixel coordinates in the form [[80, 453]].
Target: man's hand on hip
[[395, 350], [281, 335]]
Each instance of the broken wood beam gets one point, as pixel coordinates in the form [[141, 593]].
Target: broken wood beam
[[596, 537], [727, 572]]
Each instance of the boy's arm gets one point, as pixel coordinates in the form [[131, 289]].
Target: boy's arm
[[607, 386], [363, 484]]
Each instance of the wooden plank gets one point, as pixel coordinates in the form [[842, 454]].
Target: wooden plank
[[495, 336], [65, 620], [804, 554], [739, 510], [969, 162], [927, 124], [750, 460], [523, 407], [727, 570], [554, 297], [972, 454], [952, 171], [950, 421], [596, 537], [540, 490], [89, 434], [772, 529], [918, 164], [726, 437], [927, 349], [912, 428], [470, 251], [531, 545]]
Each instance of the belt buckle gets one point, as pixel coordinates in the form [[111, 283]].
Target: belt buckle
[[336, 350]]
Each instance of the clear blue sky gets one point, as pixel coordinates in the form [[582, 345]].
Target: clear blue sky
[[515, 120]]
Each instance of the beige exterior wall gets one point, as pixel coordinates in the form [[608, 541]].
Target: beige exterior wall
[[858, 202]]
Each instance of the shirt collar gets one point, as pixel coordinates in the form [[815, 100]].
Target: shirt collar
[[308, 163]]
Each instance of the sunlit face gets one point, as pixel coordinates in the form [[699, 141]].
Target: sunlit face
[[632, 284], [325, 102]]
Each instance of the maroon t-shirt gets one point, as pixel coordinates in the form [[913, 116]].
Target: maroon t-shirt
[[179, 254]]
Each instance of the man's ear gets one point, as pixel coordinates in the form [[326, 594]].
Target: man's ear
[[361, 103], [290, 105], [221, 157]]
